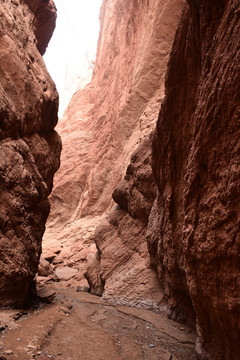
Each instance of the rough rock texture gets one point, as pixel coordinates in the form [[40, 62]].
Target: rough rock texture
[[45, 20], [121, 271], [103, 125], [137, 191], [29, 146], [194, 225], [106, 120]]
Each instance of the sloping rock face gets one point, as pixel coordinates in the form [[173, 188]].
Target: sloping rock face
[[194, 225], [103, 125], [121, 271], [106, 120], [29, 146]]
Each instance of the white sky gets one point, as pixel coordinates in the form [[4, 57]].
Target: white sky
[[74, 38]]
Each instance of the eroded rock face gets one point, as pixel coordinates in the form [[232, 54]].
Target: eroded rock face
[[106, 120], [102, 127], [29, 146], [194, 224], [121, 271], [137, 191]]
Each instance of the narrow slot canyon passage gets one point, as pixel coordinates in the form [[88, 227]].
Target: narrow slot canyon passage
[[119, 175]]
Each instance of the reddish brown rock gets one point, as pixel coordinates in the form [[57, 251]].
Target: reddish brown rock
[[121, 271], [103, 125], [194, 225], [45, 21], [46, 294], [105, 121], [29, 148], [137, 191], [44, 268]]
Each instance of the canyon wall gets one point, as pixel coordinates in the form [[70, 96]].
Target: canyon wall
[[121, 271], [103, 125], [106, 120], [192, 195], [193, 231], [29, 146]]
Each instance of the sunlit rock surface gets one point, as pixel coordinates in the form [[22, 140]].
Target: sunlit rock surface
[[194, 225], [29, 146]]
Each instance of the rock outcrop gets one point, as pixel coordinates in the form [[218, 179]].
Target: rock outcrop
[[121, 271], [103, 125], [194, 224], [29, 146]]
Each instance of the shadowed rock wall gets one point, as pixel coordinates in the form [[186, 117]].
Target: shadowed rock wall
[[29, 146], [194, 224]]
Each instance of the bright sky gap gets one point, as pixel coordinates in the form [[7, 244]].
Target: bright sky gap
[[72, 48]]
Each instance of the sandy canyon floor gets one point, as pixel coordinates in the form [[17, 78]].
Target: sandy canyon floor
[[80, 326]]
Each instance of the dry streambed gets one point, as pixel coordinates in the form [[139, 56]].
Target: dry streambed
[[80, 326]]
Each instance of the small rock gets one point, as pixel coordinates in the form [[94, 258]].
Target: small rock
[[9, 352], [152, 346], [46, 294], [65, 273], [49, 258], [57, 261], [83, 289], [64, 310], [166, 355], [44, 268], [17, 316]]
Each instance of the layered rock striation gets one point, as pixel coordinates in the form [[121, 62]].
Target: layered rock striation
[[106, 120], [121, 270], [103, 125], [29, 146], [194, 224], [193, 194]]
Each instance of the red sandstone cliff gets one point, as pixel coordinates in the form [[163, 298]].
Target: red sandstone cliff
[[193, 228], [194, 224], [29, 146], [102, 126]]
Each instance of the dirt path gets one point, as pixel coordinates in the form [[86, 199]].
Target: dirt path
[[79, 326]]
